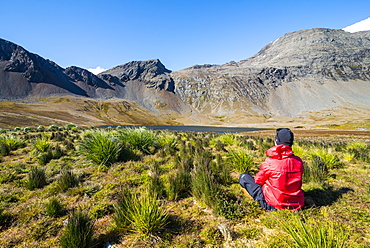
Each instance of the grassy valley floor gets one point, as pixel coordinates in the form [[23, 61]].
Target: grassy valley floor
[[142, 188]]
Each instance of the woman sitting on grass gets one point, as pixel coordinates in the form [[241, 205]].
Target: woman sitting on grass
[[278, 183]]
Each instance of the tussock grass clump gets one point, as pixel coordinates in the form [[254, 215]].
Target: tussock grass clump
[[207, 189], [168, 140], [58, 152], [241, 160], [203, 185], [67, 180], [53, 152], [227, 140], [156, 186], [100, 147], [36, 178], [147, 215], [360, 151], [41, 145], [4, 149], [301, 151], [78, 232], [53, 128], [40, 128], [45, 157], [70, 126], [122, 209], [221, 170], [141, 139], [178, 185], [12, 142], [315, 171], [54, 207], [141, 214], [263, 144], [180, 179], [311, 232], [329, 158]]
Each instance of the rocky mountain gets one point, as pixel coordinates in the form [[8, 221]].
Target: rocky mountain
[[24, 75], [305, 71], [302, 72]]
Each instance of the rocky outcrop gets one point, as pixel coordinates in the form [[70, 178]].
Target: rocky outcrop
[[82, 75], [151, 72]]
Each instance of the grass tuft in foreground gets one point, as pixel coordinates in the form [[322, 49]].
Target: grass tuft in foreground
[[308, 232], [78, 232], [141, 214]]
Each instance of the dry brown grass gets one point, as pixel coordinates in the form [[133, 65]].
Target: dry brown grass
[[88, 112], [79, 111]]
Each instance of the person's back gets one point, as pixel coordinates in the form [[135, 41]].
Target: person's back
[[281, 178], [278, 183]]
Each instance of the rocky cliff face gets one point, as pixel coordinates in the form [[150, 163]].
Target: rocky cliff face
[[309, 70]]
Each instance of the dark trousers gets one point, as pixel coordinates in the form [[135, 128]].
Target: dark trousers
[[255, 190]]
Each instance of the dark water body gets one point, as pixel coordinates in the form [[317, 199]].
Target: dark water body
[[204, 129]]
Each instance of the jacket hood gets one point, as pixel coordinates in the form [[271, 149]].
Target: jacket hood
[[279, 152]]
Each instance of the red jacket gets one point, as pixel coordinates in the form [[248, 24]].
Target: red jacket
[[281, 178]]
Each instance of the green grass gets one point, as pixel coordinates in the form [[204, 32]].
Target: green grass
[[54, 207], [241, 160], [203, 186], [36, 178], [66, 180], [12, 142], [78, 232], [100, 147], [141, 139], [308, 232], [139, 213], [41, 145], [173, 189]]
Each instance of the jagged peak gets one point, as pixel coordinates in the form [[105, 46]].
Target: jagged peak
[[147, 64]]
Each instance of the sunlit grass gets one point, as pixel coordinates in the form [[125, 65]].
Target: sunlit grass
[[241, 160], [36, 178], [12, 142], [308, 232], [142, 139], [78, 232], [139, 213], [227, 139], [180, 189], [41, 145], [100, 147]]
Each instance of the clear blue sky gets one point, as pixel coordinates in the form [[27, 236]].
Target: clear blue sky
[[179, 33]]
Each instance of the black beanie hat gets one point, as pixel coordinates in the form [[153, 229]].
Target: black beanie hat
[[284, 137]]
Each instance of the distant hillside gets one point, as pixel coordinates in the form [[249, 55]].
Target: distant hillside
[[305, 71], [309, 72]]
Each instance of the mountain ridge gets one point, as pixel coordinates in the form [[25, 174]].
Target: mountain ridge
[[304, 71]]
